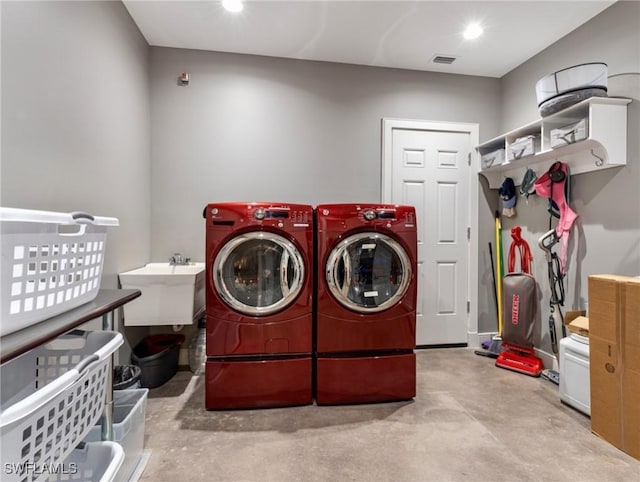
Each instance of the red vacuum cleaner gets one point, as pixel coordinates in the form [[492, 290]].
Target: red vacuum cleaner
[[519, 309]]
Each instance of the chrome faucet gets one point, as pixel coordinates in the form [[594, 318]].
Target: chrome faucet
[[178, 260]]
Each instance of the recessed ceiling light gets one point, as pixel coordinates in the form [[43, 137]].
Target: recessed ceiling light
[[473, 31], [234, 6]]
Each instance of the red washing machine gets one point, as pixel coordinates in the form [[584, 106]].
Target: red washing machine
[[259, 305], [366, 303]]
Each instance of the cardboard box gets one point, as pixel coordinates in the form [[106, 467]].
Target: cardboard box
[[581, 327], [569, 316], [605, 306], [631, 335], [614, 346], [631, 413], [631, 373], [606, 395]]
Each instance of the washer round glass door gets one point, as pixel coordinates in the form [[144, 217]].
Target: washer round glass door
[[368, 272], [258, 273]]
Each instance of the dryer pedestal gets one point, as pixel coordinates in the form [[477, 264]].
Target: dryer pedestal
[[365, 379], [257, 383]]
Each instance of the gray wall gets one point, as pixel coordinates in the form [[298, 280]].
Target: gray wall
[[606, 237], [78, 85], [258, 128], [611, 37], [75, 118]]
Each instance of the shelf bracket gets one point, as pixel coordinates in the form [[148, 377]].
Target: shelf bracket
[[600, 160]]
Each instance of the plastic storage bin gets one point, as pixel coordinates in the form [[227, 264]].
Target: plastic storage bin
[[94, 462], [493, 158], [51, 263], [526, 146], [128, 428], [51, 397], [568, 134], [157, 356]]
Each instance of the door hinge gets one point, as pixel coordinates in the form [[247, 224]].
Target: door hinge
[[469, 158], [468, 307], [469, 233]]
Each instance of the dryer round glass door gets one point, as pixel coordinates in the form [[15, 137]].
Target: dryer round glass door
[[258, 273], [368, 272]]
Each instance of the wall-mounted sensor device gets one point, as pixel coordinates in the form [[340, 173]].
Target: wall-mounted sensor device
[[183, 79]]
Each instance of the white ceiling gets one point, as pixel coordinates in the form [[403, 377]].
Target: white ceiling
[[398, 34]]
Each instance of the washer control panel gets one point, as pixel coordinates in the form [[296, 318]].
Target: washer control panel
[[369, 215], [235, 214], [355, 216]]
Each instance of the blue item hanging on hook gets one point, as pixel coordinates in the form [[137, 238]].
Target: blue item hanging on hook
[[508, 196]]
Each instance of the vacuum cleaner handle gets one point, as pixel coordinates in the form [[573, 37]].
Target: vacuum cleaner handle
[[553, 335], [547, 241], [556, 327]]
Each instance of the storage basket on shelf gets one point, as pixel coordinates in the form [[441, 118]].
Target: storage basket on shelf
[[523, 147], [569, 134], [51, 263], [493, 158], [51, 397]]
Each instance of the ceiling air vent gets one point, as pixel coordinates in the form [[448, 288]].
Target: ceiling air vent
[[443, 59]]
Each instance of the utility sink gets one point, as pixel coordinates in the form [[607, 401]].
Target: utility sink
[[171, 294]]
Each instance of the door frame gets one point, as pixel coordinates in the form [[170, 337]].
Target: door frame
[[388, 125]]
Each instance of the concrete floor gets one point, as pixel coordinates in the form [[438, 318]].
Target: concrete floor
[[470, 421]]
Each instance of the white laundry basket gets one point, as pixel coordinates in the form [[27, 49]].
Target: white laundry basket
[[51, 397], [51, 263]]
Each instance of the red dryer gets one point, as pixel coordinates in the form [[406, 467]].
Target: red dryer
[[366, 303], [259, 305]]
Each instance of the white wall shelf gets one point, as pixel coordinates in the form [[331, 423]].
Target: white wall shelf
[[605, 145]]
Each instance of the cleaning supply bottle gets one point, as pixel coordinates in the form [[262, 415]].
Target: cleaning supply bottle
[[197, 349]]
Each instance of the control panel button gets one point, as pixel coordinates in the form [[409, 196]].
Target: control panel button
[[369, 214], [259, 214]]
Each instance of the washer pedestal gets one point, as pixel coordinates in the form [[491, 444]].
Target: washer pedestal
[[365, 379]]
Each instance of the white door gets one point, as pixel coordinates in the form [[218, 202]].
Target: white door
[[430, 170]]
